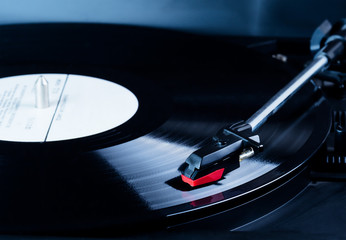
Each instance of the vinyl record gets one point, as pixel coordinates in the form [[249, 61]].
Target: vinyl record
[[125, 177]]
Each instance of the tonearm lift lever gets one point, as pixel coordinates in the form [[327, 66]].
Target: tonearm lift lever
[[238, 141]]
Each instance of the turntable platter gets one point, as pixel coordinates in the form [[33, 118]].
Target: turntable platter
[[188, 87]]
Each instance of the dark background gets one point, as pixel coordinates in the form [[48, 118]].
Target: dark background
[[223, 17]]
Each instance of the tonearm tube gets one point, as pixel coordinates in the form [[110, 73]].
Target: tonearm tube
[[238, 141]]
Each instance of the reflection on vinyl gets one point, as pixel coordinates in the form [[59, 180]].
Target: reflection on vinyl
[[123, 173]]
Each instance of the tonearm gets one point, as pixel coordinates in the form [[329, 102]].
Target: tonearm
[[238, 141]]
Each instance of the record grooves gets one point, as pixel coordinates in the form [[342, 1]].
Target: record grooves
[[260, 186], [188, 87]]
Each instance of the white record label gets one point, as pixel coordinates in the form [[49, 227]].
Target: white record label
[[79, 106]]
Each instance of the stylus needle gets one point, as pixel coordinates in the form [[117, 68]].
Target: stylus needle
[[41, 93]]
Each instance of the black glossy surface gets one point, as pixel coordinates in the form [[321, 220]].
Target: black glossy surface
[[189, 87], [319, 210]]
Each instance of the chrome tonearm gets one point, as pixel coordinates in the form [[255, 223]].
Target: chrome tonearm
[[238, 141]]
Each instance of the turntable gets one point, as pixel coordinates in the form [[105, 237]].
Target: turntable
[[118, 130]]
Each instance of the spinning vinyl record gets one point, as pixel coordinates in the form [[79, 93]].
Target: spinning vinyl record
[[126, 107]]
